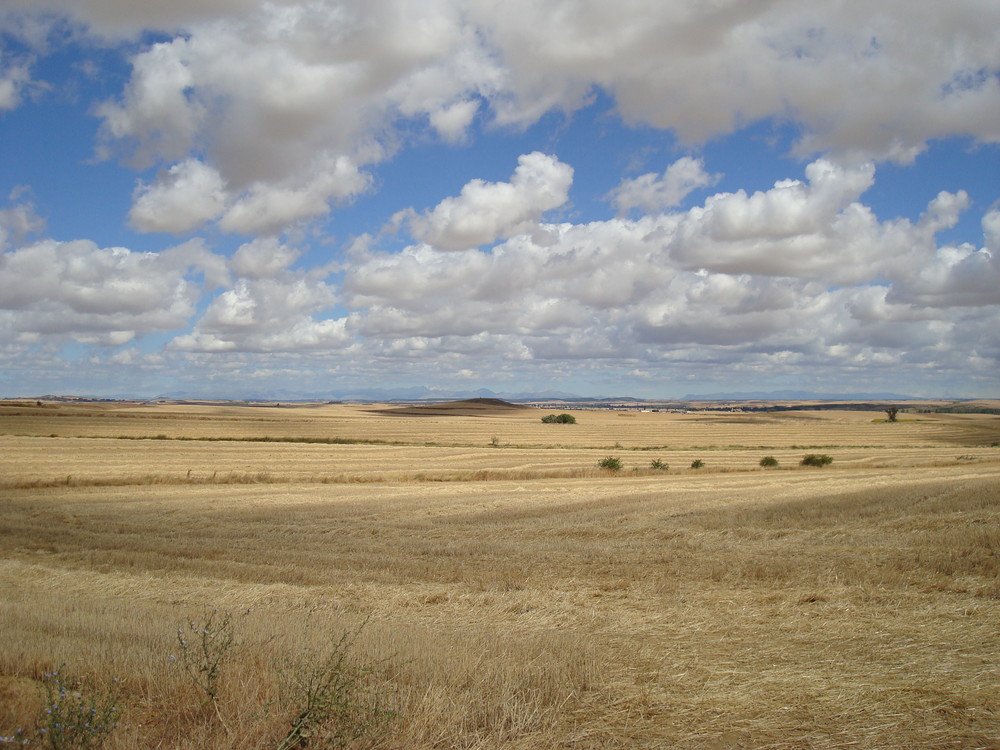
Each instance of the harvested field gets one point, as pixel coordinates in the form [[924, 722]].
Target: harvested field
[[513, 427], [508, 593]]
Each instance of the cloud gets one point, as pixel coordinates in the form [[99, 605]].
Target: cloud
[[263, 92], [799, 278], [255, 116], [262, 258], [651, 192], [452, 121], [76, 290], [814, 229], [266, 207], [189, 194], [877, 85], [118, 19], [13, 80], [267, 315], [486, 211], [957, 276], [290, 102], [269, 308], [19, 220], [157, 116]]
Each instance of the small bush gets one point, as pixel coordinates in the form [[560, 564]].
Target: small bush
[[611, 463], [697, 463], [769, 462], [658, 464], [816, 459], [559, 419]]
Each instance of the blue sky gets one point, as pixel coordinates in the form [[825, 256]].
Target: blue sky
[[648, 198]]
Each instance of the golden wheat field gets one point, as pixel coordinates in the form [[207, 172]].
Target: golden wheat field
[[488, 586]]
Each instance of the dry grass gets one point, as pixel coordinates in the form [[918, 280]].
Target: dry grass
[[850, 606]]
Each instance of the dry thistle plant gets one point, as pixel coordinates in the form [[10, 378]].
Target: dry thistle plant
[[335, 707], [202, 657]]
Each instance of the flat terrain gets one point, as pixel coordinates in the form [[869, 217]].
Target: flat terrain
[[508, 592]]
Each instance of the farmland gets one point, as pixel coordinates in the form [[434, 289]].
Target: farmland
[[504, 591]]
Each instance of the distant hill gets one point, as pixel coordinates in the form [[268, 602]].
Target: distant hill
[[382, 395], [472, 407]]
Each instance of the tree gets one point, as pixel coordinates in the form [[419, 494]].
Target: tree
[[769, 462], [611, 463], [891, 412]]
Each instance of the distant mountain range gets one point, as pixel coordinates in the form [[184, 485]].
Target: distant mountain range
[[794, 396], [422, 393]]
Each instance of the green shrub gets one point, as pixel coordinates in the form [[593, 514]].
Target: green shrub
[[611, 463], [697, 463], [658, 464], [816, 459], [769, 462], [559, 419]]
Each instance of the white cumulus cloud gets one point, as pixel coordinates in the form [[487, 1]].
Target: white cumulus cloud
[[486, 211], [813, 229], [652, 192], [188, 195], [262, 258], [779, 280], [268, 207], [106, 295], [262, 91], [958, 276], [269, 308]]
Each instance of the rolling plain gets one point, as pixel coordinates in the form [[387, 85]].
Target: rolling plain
[[498, 589]]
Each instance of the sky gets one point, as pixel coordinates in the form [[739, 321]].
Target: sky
[[653, 198]]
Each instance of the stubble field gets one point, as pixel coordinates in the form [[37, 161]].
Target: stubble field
[[505, 592]]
